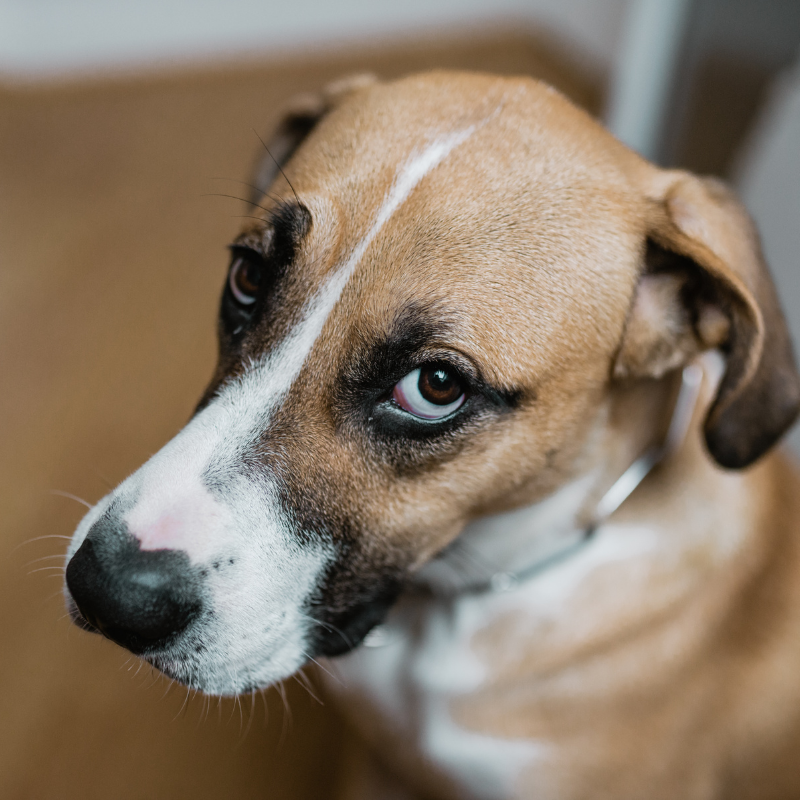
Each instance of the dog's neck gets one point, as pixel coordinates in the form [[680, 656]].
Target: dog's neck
[[515, 540]]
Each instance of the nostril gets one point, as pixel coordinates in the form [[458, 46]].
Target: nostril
[[140, 599]]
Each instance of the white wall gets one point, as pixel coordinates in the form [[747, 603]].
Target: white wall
[[49, 38]]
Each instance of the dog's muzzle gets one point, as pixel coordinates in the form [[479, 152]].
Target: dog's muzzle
[[141, 599]]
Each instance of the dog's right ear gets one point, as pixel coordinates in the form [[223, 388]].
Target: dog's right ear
[[299, 119], [705, 285]]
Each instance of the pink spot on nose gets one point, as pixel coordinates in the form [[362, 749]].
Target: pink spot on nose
[[191, 524], [166, 533]]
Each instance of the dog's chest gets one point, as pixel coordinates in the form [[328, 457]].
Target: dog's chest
[[443, 661], [412, 683]]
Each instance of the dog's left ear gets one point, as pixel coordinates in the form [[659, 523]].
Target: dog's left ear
[[705, 285], [299, 118]]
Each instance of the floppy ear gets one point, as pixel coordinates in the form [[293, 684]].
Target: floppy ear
[[299, 119], [705, 285]]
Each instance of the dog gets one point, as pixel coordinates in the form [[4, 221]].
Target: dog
[[492, 422]]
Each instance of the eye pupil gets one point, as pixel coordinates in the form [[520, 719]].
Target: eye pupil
[[245, 278], [430, 392], [439, 386]]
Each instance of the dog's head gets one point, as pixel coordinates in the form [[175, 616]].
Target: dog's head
[[423, 327]]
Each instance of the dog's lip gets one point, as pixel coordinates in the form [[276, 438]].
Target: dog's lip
[[176, 669], [78, 619], [148, 654], [81, 621]]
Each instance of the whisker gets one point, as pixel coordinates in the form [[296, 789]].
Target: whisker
[[69, 496], [328, 626], [303, 680], [324, 669], [235, 197], [203, 714], [44, 558], [273, 197], [183, 705], [246, 216], [287, 713], [159, 675], [243, 736], [280, 168], [40, 539], [263, 694], [60, 569], [234, 682]]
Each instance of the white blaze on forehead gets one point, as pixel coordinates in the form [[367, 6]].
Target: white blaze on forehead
[[248, 402], [285, 363]]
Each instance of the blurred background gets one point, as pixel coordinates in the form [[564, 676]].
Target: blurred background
[[121, 124]]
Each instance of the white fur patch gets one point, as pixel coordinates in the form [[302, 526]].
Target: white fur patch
[[411, 683], [431, 656], [510, 542]]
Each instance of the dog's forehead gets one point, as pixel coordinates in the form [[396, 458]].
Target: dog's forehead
[[518, 117], [524, 228], [524, 133]]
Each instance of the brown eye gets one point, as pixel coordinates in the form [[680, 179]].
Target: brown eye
[[244, 279], [439, 386], [430, 392]]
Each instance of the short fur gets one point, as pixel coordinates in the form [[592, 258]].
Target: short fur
[[489, 225]]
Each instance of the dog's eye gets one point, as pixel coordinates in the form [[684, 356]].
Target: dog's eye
[[430, 392], [244, 279]]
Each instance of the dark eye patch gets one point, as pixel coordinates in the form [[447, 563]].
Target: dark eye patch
[[364, 399], [254, 274]]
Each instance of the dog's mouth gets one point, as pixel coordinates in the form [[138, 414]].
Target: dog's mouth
[[189, 660], [237, 621], [174, 667]]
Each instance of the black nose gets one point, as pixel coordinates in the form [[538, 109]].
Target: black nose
[[139, 598]]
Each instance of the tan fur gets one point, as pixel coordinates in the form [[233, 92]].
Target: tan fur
[[668, 688], [671, 674]]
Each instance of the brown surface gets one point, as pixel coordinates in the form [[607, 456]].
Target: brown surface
[[112, 257]]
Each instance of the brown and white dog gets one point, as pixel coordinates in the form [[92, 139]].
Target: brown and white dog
[[459, 324]]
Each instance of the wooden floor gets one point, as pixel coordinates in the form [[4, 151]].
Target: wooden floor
[[112, 254]]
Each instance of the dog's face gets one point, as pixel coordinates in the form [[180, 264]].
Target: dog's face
[[422, 329]]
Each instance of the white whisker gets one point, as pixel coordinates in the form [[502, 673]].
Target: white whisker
[[69, 496]]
